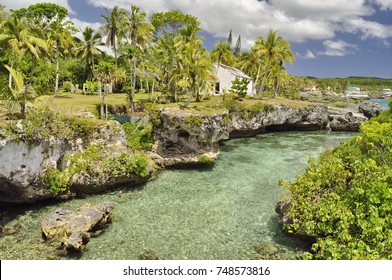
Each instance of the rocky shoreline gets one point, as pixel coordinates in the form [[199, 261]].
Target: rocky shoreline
[[183, 138]]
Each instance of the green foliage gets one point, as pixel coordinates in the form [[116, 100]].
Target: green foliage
[[192, 120], [154, 114], [344, 199], [66, 87], [56, 181], [205, 159], [139, 136], [91, 87], [240, 86], [94, 161], [42, 124], [246, 111]]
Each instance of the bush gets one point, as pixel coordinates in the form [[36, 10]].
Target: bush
[[56, 181], [344, 199], [205, 159], [139, 136], [66, 87]]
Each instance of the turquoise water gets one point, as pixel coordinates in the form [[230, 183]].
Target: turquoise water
[[218, 213], [383, 102]]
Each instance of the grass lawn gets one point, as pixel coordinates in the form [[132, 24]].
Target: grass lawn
[[70, 103]]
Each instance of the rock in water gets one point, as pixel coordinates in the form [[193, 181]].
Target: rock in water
[[369, 109], [73, 230]]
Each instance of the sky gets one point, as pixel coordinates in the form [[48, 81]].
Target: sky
[[330, 38]]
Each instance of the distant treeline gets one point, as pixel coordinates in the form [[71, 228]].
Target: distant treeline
[[370, 84]]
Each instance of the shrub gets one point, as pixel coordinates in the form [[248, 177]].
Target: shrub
[[344, 199], [139, 136], [196, 121], [205, 159], [56, 181]]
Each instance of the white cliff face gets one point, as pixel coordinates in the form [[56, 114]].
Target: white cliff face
[[183, 136], [22, 165]]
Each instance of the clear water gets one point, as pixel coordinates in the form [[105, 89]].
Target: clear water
[[217, 213], [383, 102]]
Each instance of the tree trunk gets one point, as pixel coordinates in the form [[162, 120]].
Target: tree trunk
[[12, 67], [56, 87], [101, 113], [261, 90]]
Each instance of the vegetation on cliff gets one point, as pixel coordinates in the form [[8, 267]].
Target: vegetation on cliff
[[344, 199]]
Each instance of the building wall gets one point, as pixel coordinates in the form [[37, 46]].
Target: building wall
[[227, 74]]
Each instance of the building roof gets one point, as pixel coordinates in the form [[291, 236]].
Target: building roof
[[233, 71]]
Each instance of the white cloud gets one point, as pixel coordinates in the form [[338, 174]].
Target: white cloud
[[368, 29], [296, 20], [310, 55], [80, 24], [384, 4], [338, 48], [17, 4]]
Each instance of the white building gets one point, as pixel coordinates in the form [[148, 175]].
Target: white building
[[226, 75]]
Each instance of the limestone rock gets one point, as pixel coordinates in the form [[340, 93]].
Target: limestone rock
[[73, 230], [347, 122], [369, 109]]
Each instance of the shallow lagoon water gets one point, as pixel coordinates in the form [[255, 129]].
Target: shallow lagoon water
[[217, 213]]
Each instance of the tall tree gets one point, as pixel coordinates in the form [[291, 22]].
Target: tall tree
[[88, 49], [230, 39], [61, 40], [271, 47], [18, 35], [282, 54], [139, 34], [20, 93], [237, 48], [169, 24], [113, 28], [222, 54]]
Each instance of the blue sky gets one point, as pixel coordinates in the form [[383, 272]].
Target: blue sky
[[330, 38]]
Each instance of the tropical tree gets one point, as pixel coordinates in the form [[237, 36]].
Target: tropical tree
[[113, 28], [282, 54], [17, 34], [249, 64], [272, 47], [20, 93], [60, 40], [88, 49], [222, 54], [196, 69], [139, 34], [169, 24]]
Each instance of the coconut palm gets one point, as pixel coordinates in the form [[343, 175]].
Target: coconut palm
[[249, 64], [139, 34], [222, 54], [19, 94], [196, 68], [60, 40], [282, 54], [18, 35], [113, 27], [272, 46], [88, 49]]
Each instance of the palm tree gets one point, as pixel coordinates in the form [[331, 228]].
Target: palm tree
[[19, 94], [139, 34], [60, 39], [249, 64], [88, 50], [18, 35], [196, 68], [222, 54], [113, 28], [282, 55], [272, 46]]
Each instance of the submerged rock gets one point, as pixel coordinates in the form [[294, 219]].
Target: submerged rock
[[73, 230]]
